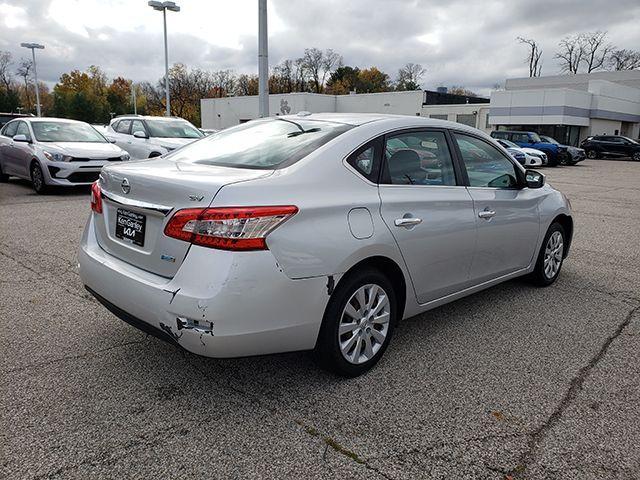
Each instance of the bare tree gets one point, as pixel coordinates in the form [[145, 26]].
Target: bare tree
[[571, 53], [624, 59], [24, 71], [5, 73], [318, 65], [409, 76], [534, 56], [596, 50]]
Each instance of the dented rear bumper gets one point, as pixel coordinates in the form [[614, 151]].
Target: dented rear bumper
[[219, 303]]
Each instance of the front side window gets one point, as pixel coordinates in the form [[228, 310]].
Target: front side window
[[138, 126], [123, 126], [486, 166], [419, 158], [10, 129], [66, 132], [172, 129], [23, 129], [261, 144]]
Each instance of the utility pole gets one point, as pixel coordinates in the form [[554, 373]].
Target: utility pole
[[133, 95], [263, 59], [32, 47]]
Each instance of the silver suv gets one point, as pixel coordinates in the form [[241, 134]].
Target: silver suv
[[148, 137]]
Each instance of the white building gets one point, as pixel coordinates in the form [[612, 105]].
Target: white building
[[567, 107]]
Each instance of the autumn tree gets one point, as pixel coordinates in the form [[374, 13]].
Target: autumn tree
[[343, 80], [248, 85], [409, 77], [534, 56], [460, 90], [373, 80]]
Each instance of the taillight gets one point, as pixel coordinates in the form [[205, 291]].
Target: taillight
[[96, 197], [228, 228]]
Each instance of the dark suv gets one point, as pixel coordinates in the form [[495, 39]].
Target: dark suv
[[611, 146]]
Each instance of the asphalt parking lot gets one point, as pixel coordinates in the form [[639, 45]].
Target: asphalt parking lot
[[514, 381]]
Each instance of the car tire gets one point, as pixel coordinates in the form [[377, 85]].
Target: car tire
[[593, 154], [636, 156], [37, 179], [4, 178], [550, 257], [364, 339]]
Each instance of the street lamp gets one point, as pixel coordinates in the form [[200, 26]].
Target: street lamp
[[33, 47], [163, 7], [263, 60]]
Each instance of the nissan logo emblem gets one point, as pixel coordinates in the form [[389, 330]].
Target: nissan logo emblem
[[126, 188]]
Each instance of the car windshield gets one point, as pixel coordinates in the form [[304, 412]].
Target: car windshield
[[261, 144], [550, 140], [172, 129], [535, 138], [66, 132]]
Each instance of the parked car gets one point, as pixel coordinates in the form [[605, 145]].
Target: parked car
[[54, 152], [611, 146], [555, 153], [148, 137], [529, 157], [316, 232], [574, 154], [5, 117]]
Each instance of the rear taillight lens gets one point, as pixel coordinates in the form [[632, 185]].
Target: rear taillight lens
[[228, 228], [96, 197]]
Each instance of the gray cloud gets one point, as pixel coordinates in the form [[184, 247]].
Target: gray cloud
[[470, 43]]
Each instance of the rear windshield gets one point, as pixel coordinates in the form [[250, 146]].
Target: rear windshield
[[261, 144]]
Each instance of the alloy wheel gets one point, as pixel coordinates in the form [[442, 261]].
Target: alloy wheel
[[592, 154], [37, 178], [553, 255], [636, 156], [364, 324]]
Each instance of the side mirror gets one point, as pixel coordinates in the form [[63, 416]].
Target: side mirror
[[140, 134], [534, 179], [20, 138]]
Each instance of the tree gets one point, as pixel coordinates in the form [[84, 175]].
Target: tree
[[248, 85], [624, 59], [534, 56], [119, 96], [372, 80], [596, 50], [24, 71], [409, 77], [460, 90], [9, 100], [318, 65], [343, 80], [571, 53]]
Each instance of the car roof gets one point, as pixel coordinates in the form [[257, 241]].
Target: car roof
[[51, 119]]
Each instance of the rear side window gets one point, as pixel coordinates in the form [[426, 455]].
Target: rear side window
[[419, 158], [486, 166], [261, 144], [10, 129], [123, 126], [366, 160]]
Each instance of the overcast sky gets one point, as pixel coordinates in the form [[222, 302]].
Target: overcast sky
[[470, 43]]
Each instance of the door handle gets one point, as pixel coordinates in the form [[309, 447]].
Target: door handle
[[407, 222], [486, 213]]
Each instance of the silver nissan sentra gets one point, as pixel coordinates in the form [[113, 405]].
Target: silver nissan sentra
[[316, 232]]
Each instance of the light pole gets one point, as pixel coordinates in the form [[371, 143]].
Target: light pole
[[263, 60], [33, 47], [163, 7]]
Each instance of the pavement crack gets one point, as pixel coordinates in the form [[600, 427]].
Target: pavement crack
[[575, 386], [330, 442], [94, 353]]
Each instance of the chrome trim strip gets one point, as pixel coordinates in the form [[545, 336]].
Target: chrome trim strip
[[136, 203]]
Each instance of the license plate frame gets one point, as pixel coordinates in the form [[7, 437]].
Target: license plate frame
[[130, 226]]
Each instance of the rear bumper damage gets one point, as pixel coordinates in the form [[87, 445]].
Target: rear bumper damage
[[219, 304]]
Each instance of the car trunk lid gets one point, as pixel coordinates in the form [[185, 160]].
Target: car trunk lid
[[140, 197]]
